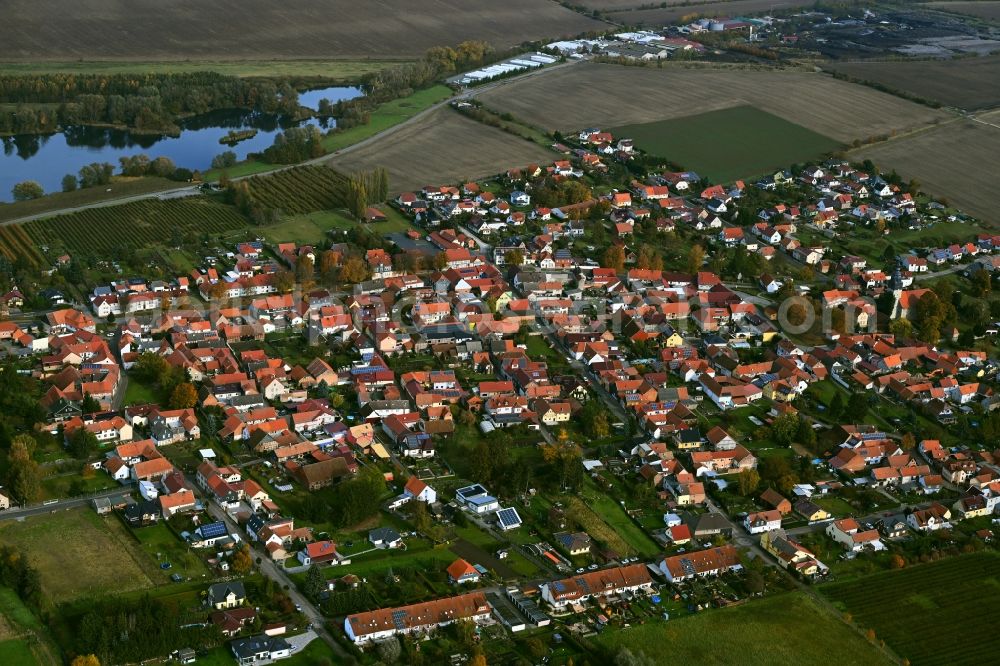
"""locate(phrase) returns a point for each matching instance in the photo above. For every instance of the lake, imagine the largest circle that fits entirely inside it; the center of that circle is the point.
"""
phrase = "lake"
(47, 158)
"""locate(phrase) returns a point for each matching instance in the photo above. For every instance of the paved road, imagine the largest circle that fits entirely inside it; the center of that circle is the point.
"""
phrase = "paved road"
(61, 505)
(118, 401)
(188, 190)
(276, 573)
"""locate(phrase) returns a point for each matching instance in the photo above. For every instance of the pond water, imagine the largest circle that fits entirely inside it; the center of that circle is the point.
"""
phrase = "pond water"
(47, 158)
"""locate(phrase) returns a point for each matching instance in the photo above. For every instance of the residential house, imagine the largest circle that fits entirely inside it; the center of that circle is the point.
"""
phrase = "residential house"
(596, 584)
(421, 618)
(461, 572)
(226, 595)
(701, 563)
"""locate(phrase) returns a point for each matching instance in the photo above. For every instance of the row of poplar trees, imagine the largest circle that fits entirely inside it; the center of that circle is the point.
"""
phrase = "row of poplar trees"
(365, 188)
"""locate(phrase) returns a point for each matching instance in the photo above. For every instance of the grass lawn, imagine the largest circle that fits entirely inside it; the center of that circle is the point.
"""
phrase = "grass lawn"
(379, 561)
(605, 520)
(901, 605)
(314, 227)
(79, 553)
(313, 653)
(140, 393)
(55, 487)
(23, 638)
(787, 629)
(160, 543)
(739, 142)
(17, 652)
(836, 506)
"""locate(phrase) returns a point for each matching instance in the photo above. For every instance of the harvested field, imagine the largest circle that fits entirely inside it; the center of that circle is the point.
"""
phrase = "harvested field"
(957, 161)
(672, 14)
(989, 10)
(937, 594)
(739, 142)
(259, 29)
(78, 553)
(967, 83)
(602, 95)
(442, 147)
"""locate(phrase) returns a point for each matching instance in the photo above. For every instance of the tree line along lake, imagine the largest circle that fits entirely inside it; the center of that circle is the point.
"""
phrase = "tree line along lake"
(46, 158)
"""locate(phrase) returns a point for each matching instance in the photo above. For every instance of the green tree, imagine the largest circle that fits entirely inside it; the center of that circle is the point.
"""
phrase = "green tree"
(857, 406)
(243, 560)
(614, 258)
(901, 328)
(695, 258)
(24, 475)
(514, 257)
(89, 404)
(981, 283)
(749, 479)
(315, 583)
(83, 443)
(784, 429)
(184, 396)
(224, 160)
(68, 183)
(26, 190)
(150, 367)
(837, 406)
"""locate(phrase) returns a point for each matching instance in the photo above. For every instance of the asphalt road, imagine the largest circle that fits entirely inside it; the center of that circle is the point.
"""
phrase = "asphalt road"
(276, 573)
(60, 505)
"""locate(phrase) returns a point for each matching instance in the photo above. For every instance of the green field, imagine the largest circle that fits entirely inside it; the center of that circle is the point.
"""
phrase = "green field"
(313, 227)
(739, 142)
(788, 629)
(927, 613)
(387, 115)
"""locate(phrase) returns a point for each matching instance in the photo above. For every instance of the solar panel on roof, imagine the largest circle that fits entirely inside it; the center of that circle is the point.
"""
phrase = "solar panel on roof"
(213, 530)
(398, 619)
(508, 517)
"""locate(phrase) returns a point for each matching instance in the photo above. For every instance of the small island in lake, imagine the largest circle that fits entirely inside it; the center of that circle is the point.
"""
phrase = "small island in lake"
(235, 136)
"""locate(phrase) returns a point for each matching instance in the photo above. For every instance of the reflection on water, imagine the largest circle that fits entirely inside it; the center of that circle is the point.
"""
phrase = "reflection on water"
(47, 158)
